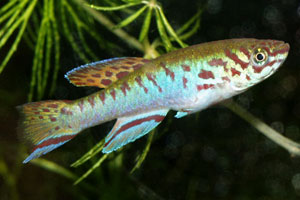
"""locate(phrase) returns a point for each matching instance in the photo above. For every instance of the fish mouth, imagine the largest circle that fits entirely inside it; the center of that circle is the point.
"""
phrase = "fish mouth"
(281, 48)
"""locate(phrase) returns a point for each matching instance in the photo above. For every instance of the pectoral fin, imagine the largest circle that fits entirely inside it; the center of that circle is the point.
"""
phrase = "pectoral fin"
(184, 112)
(128, 129)
(181, 114)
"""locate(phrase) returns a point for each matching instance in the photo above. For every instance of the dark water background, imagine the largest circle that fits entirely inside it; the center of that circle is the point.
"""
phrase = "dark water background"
(210, 155)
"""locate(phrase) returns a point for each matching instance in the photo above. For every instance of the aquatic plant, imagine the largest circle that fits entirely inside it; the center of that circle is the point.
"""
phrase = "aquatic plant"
(37, 24)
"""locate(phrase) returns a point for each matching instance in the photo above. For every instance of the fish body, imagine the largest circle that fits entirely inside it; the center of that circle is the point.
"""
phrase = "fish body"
(139, 92)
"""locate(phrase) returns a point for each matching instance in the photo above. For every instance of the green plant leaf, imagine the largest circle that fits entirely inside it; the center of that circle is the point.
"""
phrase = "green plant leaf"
(131, 18)
(189, 22)
(67, 32)
(8, 14)
(162, 32)
(169, 28)
(145, 152)
(91, 153)
(146, 25)
(24, 18)
(112, 8)
(96, 165)
(56, 38)
(132, 1)
(8, 6)
(191, 32)
(53, 167)
(14, 20)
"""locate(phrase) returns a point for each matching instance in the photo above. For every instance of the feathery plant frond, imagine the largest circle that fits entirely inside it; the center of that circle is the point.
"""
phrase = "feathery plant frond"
(15, 15)
(42, 28)
(95, 166)
(163, 24)
(43, 24)
(142, 156)
(91, 153)
(163, 27)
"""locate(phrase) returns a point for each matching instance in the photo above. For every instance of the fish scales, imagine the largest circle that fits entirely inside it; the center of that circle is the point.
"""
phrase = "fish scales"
(139, 92)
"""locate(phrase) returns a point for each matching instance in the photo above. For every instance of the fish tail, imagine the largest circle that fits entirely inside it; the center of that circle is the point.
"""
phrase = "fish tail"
(47, 125)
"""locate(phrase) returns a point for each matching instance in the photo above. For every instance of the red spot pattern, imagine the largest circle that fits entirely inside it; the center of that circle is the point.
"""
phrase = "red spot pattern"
(102, 96)
(236, 59)
(168, 71)
(218, 62)
(96, 75)
(258, 69)
(106, 82)
(139, 81)
(80, 104)
(90, 80)
(122, 74)
(125, 67)
(66, 111)
(102, 74)
(145, 61)
(184, 80)
(46, 110)
(52, 105)
(53, 119)
(79, 76)
(108, 73)
(226, 79)
(152, 79)
(204, 87)
(137, 66)
(280, 51)
(91, 100)
(245, 51)
(113, 94)
(204, 74)
(235, 72)
(80, 83)
(125, 87)
(186, 68)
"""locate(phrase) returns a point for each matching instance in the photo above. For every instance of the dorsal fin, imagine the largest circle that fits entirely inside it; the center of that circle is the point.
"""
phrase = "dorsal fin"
(103, 73)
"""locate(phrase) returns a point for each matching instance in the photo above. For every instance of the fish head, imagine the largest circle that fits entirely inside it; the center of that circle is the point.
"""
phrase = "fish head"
(252, 61)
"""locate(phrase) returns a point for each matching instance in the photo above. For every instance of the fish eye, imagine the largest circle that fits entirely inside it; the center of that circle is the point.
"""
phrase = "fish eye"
(260, 56)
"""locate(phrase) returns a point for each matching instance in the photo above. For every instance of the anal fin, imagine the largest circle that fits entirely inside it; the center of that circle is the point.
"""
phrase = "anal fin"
(128, 129)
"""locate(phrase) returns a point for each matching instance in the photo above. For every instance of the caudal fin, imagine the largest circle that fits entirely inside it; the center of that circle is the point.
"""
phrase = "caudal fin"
(47, 125)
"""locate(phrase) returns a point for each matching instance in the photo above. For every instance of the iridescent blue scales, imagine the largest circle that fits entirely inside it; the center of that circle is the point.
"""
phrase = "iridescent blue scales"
(140, 92)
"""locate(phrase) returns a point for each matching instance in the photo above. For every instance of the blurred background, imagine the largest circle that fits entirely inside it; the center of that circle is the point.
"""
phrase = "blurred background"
(210, 155)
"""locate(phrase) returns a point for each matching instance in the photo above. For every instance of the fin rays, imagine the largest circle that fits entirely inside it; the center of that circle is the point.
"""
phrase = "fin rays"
(128, 129)
(103, 73)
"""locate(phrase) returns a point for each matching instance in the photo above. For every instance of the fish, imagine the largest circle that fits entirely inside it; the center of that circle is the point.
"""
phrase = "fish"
(139, 92)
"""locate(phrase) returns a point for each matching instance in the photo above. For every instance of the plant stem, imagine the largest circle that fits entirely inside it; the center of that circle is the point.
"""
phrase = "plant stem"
(289, 145)
(110, 26)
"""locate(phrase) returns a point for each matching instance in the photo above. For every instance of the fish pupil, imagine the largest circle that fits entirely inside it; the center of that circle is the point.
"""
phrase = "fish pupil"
(260, 57)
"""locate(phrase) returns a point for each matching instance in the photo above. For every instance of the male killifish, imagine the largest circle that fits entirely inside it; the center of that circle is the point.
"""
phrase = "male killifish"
(139, 92)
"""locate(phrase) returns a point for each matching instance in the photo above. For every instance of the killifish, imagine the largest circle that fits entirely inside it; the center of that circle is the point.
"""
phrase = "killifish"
(139, 92)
